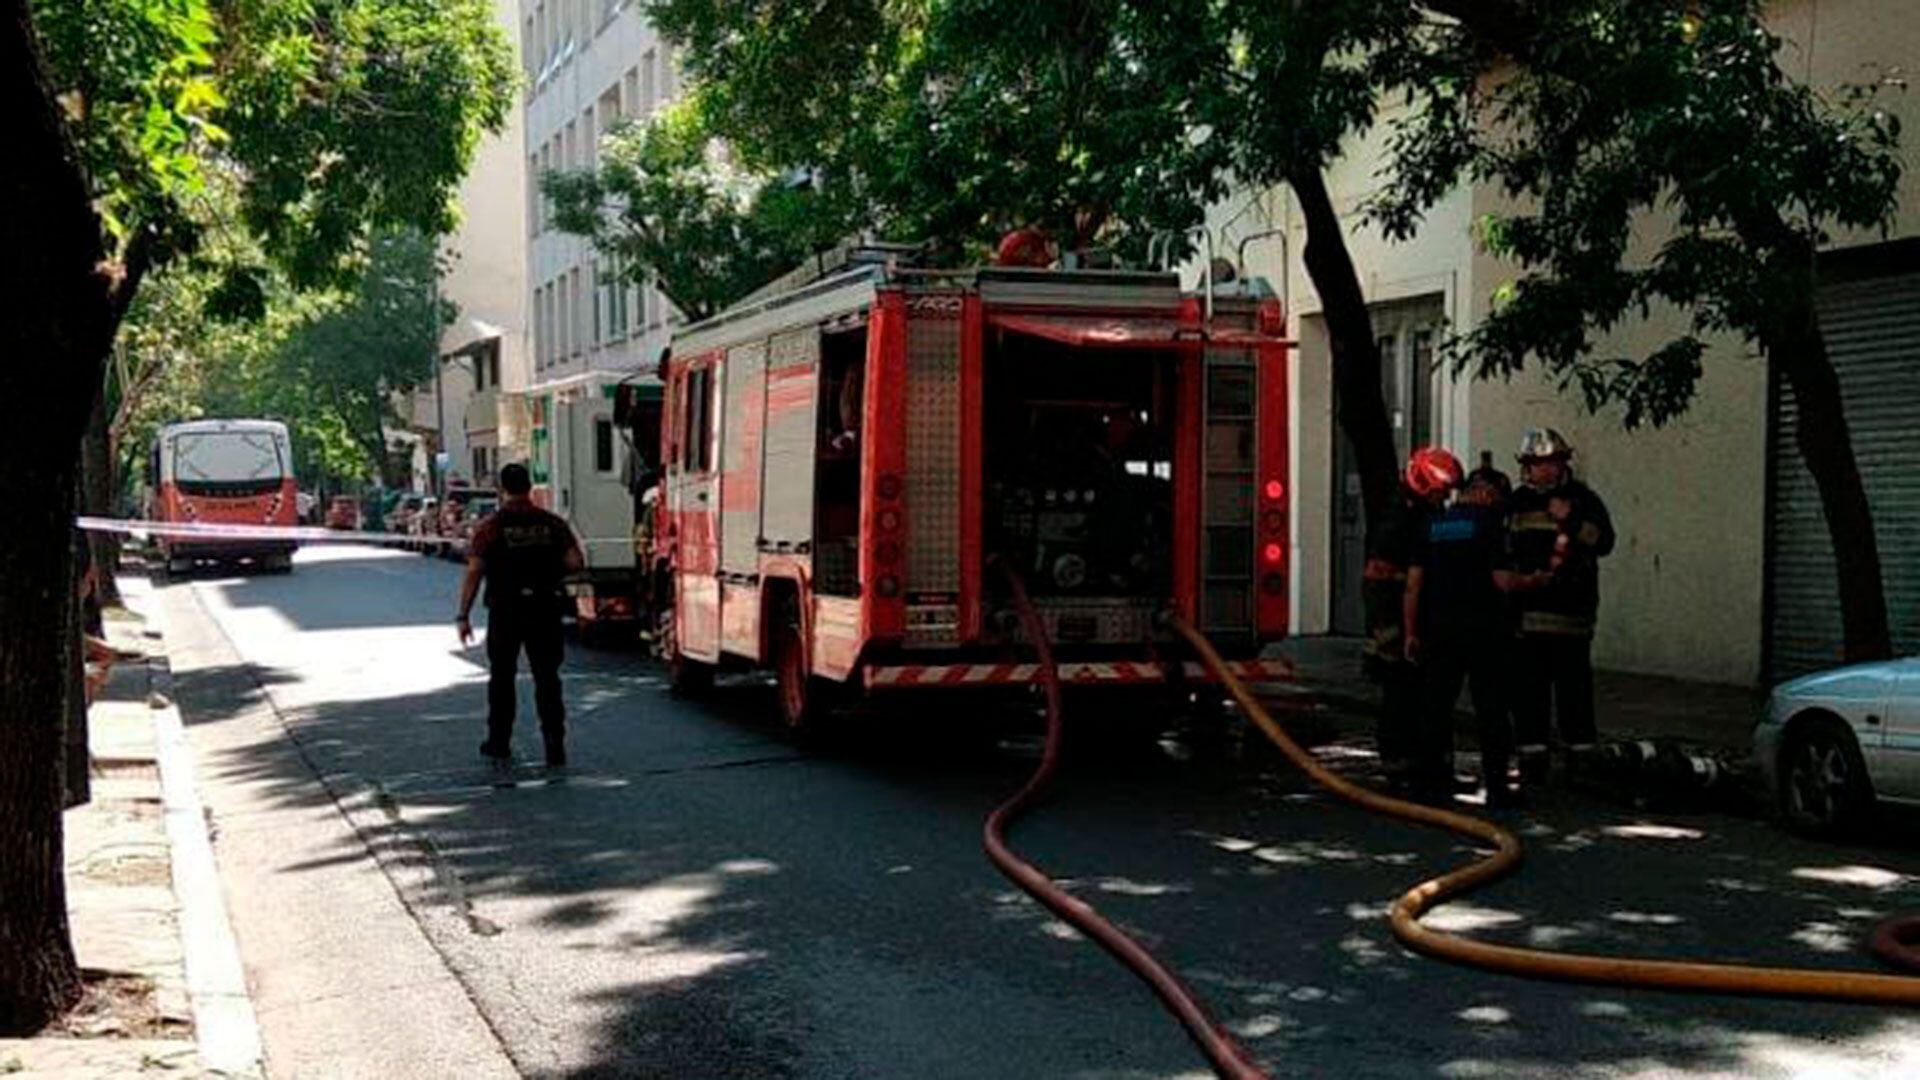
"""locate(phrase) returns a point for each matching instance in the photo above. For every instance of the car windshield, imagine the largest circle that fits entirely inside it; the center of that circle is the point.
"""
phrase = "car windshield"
(226, 456)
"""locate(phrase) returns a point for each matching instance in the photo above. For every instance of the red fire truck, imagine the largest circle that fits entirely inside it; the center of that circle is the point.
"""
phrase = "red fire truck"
(845, 454)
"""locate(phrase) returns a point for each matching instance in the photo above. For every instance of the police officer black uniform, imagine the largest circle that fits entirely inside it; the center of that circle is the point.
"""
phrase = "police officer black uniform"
(1560, 528)
(522, 552)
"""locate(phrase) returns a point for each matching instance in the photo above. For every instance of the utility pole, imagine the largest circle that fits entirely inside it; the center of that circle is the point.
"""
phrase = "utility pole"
(434, 478)
(439, 426)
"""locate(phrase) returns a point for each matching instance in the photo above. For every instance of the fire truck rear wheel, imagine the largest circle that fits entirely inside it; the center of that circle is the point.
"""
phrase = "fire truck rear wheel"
(800, 705)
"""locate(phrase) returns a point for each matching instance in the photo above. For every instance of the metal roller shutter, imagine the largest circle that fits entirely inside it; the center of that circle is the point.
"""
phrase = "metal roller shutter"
(1872, 328)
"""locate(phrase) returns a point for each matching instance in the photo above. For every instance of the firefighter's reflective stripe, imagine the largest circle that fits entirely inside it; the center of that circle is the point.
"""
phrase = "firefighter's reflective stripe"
(1118, 671)
(1554, 622)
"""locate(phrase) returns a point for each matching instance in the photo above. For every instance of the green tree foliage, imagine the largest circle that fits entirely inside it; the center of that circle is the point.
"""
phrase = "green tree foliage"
(336, 375)
(1611, 121)
(915, 121)
(328, 363)
(338, 119)
(1102, 121)
(1700, 135)
(669, 201)
(339, 115)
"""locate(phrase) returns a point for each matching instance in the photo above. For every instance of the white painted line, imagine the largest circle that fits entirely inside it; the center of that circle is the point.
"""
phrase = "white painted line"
(223, 1020)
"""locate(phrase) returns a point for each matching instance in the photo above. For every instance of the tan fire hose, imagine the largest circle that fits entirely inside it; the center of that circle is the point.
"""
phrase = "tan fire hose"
(1856, 986)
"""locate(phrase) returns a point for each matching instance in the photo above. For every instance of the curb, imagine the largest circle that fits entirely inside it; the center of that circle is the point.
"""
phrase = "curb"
(224, 1024)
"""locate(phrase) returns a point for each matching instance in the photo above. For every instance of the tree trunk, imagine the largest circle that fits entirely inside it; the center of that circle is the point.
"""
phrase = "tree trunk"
(1826, 445)
(76, 760)
(62, 315)
(98, 476)
(1356, 355)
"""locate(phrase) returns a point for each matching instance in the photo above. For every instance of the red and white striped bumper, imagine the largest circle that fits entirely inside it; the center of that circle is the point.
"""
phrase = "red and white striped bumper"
(1115, 672)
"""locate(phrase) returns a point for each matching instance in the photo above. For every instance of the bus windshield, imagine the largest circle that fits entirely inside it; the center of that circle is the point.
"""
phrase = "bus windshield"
(226, 457)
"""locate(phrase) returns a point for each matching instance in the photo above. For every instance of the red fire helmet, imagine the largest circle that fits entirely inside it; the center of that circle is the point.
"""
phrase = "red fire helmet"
(1432, 469)
(1023, 247)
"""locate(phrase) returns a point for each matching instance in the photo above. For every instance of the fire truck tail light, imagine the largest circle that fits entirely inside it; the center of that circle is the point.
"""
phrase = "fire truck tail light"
(1271, 554)
(1274, 522)
(890, 520)
(1274, 583)
(1275, 490)
(889, 486)
(1271, 318)
(887, 552)
(888, 587)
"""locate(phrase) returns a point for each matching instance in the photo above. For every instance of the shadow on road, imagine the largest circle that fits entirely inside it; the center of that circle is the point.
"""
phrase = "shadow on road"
(700, 897)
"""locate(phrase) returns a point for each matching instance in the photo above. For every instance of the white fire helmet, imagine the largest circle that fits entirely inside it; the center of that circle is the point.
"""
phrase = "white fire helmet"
(1543, 442)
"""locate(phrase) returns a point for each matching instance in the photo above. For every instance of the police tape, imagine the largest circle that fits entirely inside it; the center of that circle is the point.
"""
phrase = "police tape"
(212, 530)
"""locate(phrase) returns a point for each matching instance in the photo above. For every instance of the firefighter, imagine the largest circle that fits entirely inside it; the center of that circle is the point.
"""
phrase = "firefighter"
(1423, 491)
(1458, 628)
(522, 552)
(1560, 528)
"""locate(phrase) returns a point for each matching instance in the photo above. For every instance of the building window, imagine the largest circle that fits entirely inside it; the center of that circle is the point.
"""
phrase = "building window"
(570, 147)
(630, 97)
(600, 313)
(603, 445)
(493, 364)
(590, 140)
(648, 74)
(578, 313)
(609, 111)
(539, 327)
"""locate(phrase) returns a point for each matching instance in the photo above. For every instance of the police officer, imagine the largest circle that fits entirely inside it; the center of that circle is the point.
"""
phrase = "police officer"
(522, 552)
(1458, 628)
(1423, 491)
(1559, 528)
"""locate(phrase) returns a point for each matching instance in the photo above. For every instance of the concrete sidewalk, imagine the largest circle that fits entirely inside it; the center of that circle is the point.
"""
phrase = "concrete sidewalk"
(148, 925)
(1711, 715)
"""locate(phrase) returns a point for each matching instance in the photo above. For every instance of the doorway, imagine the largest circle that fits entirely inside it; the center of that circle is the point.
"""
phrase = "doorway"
(1408, 332)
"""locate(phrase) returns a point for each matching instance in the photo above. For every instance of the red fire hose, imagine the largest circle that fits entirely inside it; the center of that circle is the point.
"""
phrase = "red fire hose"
(1223, 1051)
(1897, 941)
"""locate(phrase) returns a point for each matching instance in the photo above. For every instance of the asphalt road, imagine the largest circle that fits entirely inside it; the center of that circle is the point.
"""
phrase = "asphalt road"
(698, 897)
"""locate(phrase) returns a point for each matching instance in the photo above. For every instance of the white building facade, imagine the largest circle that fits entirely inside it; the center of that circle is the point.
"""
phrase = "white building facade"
(589, 64)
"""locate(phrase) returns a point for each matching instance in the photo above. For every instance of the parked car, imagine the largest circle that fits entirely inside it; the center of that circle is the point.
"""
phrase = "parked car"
(457, 514)
(400, 517)
(343, 513)
(476, 512)
(423, 525)
(1833, 743)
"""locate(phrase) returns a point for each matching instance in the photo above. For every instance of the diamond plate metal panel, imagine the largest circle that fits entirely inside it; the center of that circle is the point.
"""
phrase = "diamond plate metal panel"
(794, 347)
(933, 445)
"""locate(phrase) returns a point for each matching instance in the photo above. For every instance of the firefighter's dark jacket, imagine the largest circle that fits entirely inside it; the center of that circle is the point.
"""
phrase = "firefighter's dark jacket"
(1389, 553)
(1567, 605)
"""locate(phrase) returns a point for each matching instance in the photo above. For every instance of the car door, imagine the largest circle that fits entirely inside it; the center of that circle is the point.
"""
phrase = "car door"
(1897, 773)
